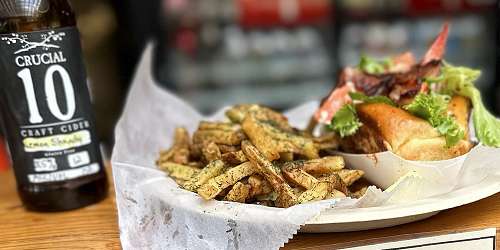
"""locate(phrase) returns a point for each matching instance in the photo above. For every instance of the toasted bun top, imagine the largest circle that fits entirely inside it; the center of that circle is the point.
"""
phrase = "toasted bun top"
(411, 137)
(395, 125)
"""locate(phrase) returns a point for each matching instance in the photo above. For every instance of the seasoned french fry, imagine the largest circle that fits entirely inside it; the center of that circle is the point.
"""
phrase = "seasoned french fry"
(165, 155)
(225, 140)
(179, 152)
(223, 193)
(181, 156)
(179, 171)
(240, 157)
(211, 151)
(214, 186)
(219, 137)
(272, 196)
(298, 177)
(286, 197)
(196, 164)
(180, 182)
(335, 194)
(325, 165)
(181, 146)
(223, 126)
(349, 176)
(239, 193)
(327, 141)
(318, 192)
(336, 181)
(326, 145)
(234, 158)
(213, 169)
(325, 137)
(298, 191)
(195, 150)
(239, 112)
(286, 156)
(258, 185)
(181, 137)
(272, 141)
(228, 148)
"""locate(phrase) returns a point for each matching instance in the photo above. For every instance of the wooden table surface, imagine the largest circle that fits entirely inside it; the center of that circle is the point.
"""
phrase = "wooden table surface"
(95, 227)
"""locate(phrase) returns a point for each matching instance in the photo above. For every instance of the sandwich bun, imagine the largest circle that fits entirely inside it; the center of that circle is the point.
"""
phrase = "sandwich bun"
(386, 127)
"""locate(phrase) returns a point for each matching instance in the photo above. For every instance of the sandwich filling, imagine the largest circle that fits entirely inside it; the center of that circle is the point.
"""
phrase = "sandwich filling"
(420, 110)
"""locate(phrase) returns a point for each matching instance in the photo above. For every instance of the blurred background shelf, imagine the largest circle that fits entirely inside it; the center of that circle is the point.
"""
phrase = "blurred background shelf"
(252, 51)
(217, 52)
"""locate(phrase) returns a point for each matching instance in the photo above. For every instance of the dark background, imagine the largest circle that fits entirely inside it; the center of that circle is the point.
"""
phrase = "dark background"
(276, 52)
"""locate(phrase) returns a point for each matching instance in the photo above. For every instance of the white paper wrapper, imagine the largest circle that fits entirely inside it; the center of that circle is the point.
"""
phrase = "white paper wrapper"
(155, 214)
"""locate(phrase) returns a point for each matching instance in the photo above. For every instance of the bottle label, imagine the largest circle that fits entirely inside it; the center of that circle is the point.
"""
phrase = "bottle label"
(46, 106)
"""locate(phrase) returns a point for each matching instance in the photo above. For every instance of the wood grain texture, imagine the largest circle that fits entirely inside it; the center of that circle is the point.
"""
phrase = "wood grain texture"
(95, 227)
(92, 227)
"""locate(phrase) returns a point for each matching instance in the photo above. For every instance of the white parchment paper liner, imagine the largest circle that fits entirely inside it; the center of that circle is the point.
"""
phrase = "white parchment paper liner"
(155, 214)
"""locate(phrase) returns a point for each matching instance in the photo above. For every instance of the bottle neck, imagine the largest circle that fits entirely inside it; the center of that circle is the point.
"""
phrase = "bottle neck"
(34, 15)
(23, 8)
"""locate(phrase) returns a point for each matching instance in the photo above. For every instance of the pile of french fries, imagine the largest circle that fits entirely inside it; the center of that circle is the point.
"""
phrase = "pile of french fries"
(257, 157)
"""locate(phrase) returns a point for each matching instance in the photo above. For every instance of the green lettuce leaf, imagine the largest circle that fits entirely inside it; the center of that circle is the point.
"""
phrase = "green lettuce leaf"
(346, 121)
(430, 107)
(433, 108)
(372, 66)
(460, 81)
(371, 99)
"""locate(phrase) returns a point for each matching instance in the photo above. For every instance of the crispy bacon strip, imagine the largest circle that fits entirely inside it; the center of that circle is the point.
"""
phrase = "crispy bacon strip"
(403, 81)
(403, 62)
(333, 103)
